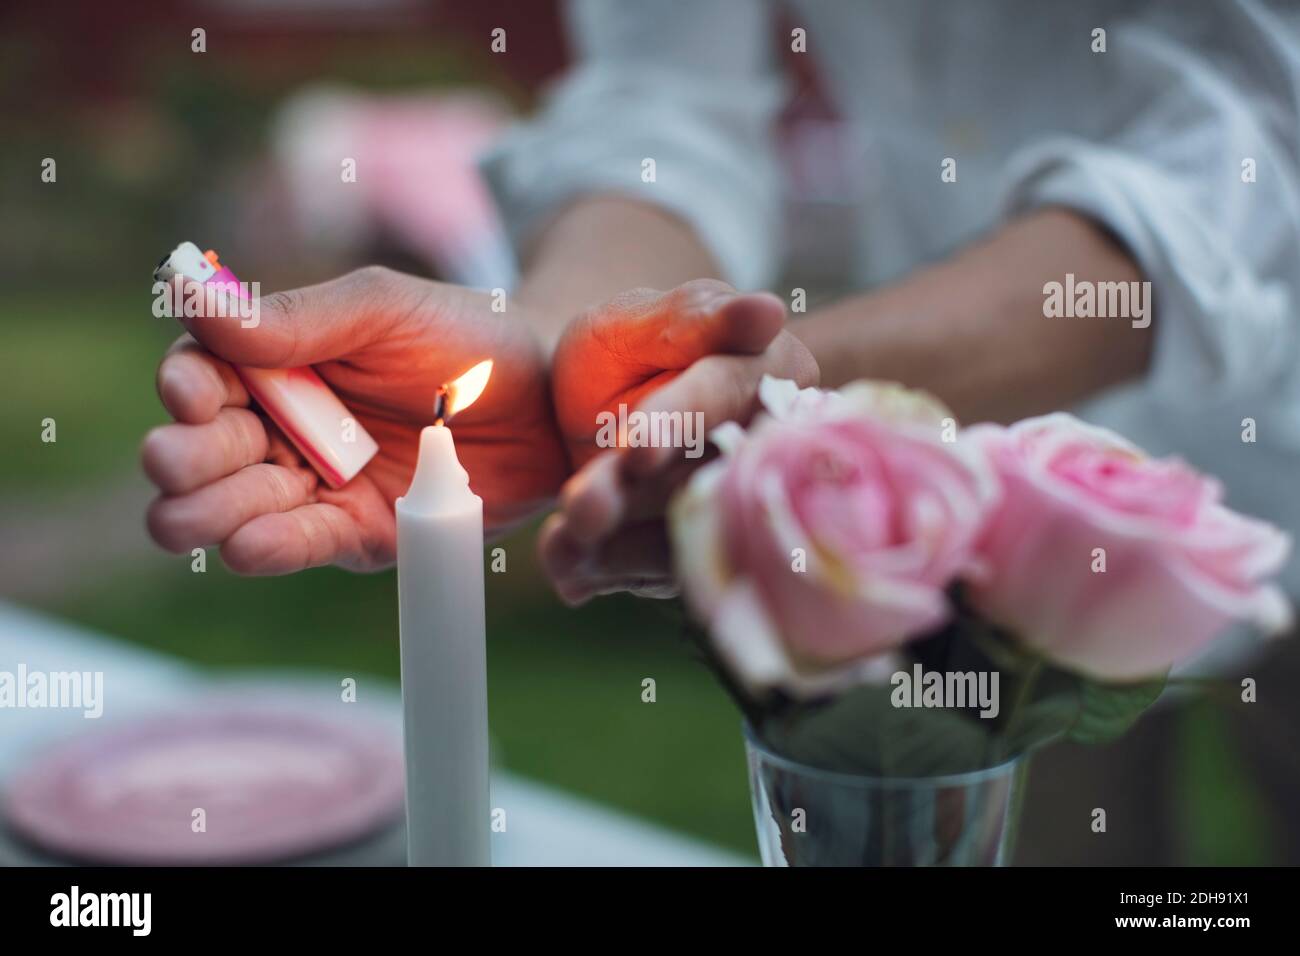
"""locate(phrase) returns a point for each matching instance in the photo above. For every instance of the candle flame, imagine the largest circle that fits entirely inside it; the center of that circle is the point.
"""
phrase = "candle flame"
(464, 391)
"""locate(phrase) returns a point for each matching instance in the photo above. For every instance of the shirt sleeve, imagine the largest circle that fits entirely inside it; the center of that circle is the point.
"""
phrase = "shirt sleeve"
(689, 84)
(1201, 181)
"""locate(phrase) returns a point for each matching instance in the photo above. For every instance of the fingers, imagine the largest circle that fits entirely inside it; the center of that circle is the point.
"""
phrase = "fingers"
(194, 385)
(181, 458)
(609, 534)
(593, 500)
(619, 352)
(308, 537)
(213, 512)
(636, 559)
(670, 330)
(705, 320)
(615, 503)
(603, 495)
(725, 387)
(361, 536)
(720, 388)
(301, 326)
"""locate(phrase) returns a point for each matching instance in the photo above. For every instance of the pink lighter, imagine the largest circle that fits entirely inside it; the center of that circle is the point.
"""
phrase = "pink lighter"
(296, 399)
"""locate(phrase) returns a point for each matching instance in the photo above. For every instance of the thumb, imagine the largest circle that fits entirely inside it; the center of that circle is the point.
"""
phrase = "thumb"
(294, 327)
(671, 330)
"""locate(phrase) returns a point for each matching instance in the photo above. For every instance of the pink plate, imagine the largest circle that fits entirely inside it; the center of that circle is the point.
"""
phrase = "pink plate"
(272, 784)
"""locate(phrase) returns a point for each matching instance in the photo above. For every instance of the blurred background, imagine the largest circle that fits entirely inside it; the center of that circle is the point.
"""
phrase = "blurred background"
(155, 143)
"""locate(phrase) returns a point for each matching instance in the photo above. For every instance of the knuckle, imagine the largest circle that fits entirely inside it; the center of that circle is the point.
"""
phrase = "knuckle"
(229, 441)
(372, 275)
(386, 297)
(369, 282)
(701, 288)
(323, 539)
(628, 302)
(279, 483)
(636, 294)
(287, 308)
(238, 442)
(287, 303)
(700, 295)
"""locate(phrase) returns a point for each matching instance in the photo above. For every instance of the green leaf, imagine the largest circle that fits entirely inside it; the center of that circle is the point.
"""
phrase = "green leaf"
(1107, 710)
(1043, 721)
(862, 732)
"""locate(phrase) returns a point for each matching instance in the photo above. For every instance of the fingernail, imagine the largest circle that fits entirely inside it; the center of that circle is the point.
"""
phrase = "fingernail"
(575, 593)
(712, 301)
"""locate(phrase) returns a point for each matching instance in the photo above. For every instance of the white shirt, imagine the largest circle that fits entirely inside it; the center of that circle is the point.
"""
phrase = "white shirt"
(1148, 137)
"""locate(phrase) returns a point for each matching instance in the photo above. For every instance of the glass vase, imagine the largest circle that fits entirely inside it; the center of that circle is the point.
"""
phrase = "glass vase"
(811, 817)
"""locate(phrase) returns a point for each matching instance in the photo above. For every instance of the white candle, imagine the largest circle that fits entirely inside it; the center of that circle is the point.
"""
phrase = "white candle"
(443, 657)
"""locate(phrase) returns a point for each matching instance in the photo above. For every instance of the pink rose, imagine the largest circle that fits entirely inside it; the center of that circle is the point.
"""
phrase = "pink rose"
(827, 534)
(1179, 566)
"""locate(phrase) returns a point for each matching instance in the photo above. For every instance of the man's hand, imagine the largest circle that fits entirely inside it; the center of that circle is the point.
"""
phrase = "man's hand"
(384, 342)
(701, 347)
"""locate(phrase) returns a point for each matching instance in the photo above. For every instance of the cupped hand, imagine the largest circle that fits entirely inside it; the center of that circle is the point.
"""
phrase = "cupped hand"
(699, 348)
(384, 342)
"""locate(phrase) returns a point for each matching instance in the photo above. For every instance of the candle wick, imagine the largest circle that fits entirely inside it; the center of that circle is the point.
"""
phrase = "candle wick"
(440, 403)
